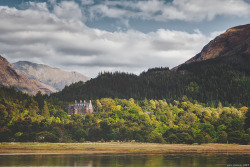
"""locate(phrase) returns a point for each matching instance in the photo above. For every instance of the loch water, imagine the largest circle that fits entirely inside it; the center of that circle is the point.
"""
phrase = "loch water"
(126, 160)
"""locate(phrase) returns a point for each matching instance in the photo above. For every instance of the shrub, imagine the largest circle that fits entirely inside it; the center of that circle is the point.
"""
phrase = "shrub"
(199, 139)
(46, 136)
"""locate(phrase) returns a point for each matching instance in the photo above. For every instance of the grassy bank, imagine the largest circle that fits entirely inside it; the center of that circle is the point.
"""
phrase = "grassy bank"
(113, 147)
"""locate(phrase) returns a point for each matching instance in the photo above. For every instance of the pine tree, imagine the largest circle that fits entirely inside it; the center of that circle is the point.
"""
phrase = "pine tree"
(45, 111)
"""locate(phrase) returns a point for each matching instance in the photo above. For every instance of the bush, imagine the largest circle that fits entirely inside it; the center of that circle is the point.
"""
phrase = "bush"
(185, 138)
(245, 139)
(46, 137)
(199, 139)
(79, 134)
(5, 134)
(235, 136)
(156, 137)
(172, 139)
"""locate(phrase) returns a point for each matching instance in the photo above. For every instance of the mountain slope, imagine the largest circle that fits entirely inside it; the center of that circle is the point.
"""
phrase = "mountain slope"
(53, 77)
(234, 41)
(9, 77)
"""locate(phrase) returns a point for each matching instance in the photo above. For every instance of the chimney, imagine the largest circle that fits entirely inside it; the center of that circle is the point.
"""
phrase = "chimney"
(80, 101)
(75, 101)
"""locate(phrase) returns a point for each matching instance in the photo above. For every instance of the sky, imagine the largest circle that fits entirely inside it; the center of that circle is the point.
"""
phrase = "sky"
(92, 36)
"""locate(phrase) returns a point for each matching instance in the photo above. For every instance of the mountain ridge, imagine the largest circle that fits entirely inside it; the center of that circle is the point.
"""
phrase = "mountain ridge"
(233, 41)
(54, 77)
(9, 77)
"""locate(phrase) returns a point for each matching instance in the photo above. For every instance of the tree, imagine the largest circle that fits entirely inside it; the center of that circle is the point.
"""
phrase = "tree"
(108, 104)
(185, 138)
(5, 134)
(79, 134)
(33, 108)
(222, 137)
(245, 139)
(45, 111)
(98, 105)
(247, 120)
(172, 139)
(39, 99)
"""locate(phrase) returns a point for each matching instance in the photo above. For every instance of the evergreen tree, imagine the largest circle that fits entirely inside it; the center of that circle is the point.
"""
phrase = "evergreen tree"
(45, 111)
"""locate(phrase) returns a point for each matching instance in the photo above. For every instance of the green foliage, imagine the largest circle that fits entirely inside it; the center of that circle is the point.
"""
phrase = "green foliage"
(45, 136)
(245, 139)
(146, 120)
(235, 136)
(45, 111)
(222, 137)
(247, 120)
(79, 134)
(200, 138)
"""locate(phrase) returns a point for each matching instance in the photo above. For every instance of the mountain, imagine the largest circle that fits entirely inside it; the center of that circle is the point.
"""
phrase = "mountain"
(53, 77)
(9, 77)
(234, 41)
(220, 73)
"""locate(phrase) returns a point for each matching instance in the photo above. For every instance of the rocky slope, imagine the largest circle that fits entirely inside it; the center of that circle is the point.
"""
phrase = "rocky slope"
(9, 77)
(53, 77)
(235, 41)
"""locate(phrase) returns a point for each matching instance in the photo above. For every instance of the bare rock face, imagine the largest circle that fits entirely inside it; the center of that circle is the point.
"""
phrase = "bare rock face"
(53, 77)
(234, 41)
(9, 77)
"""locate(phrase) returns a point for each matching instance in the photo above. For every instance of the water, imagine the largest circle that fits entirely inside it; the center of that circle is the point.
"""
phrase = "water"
(126, 160)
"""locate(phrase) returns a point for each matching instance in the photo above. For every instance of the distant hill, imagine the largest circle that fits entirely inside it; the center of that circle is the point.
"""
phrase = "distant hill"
(9, 77)
(53, 77)
(221, 72)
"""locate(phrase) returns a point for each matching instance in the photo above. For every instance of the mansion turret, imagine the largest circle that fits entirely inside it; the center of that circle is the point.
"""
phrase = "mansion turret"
(81, 108)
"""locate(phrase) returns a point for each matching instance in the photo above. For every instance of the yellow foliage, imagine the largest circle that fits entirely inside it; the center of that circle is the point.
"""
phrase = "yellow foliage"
(244, 109)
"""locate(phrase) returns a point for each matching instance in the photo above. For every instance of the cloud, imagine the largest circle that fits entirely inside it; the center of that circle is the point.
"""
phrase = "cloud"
(68, 10)
(51, 37)
(159, 10)
(87, 2)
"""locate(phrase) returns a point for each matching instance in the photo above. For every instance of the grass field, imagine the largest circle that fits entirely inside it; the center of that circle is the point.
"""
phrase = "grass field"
(120, 147)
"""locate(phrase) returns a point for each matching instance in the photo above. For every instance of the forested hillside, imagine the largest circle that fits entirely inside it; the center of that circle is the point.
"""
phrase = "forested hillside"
(37, 118)
(223, 79)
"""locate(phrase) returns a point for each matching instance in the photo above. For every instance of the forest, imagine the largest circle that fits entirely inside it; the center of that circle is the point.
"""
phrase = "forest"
(222, 79)
(41, 118)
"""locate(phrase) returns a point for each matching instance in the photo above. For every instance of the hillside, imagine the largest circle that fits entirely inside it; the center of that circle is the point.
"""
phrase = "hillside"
(53, 77)
(9, 77)
(235, 41)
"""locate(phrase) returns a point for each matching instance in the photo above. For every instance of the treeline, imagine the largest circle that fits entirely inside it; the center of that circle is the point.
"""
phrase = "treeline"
(26, 118)
(224, 79)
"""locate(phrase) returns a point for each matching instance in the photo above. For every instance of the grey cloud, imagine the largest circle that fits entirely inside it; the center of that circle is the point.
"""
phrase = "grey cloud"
(79, 51)
(45, 36)
(101, 64)
(185, 10)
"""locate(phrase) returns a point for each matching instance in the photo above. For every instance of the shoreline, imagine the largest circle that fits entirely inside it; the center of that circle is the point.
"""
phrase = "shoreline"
(121, 147)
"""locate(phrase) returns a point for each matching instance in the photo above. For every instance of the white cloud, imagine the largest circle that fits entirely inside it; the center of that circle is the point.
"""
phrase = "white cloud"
(68, 10)
(56, 39)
